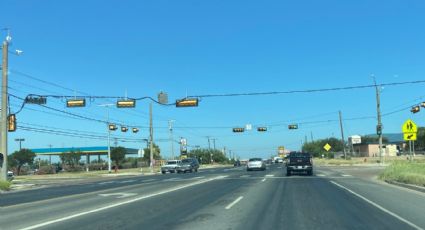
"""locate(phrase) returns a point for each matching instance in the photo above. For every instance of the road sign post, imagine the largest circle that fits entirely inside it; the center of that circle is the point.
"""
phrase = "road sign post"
(410, 130)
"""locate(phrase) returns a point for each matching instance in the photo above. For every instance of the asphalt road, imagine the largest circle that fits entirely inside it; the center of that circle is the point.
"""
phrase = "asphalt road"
(219, 199)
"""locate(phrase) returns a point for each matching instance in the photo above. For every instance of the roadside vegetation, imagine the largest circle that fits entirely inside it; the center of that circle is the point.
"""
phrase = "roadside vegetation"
(5, 185)
(405, 172)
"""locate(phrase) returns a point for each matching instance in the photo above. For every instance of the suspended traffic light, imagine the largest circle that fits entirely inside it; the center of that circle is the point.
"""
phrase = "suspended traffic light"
(415, 109)
(238, 130)
(112, 127)
(76, 102)
(292, 126)
(124, 129)
(11, 124)
(187, 102)
(423, 104)
(127, 103)
(135, 130)
(262, 129)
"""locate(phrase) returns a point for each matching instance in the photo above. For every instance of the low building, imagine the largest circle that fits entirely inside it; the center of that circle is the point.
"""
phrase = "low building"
(372, 150)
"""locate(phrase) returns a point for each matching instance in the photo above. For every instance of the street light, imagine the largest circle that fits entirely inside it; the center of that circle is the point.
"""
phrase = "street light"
(20, 142)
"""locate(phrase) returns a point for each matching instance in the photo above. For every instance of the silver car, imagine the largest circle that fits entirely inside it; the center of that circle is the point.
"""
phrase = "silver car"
(170, 166)
(256, 164)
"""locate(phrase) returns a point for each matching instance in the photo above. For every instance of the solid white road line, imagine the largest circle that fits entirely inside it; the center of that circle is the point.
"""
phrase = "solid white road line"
(321, 175)
(126, 181)
(269, 175)
(263, 180)
(345, 175)
(106, 182)
(244, 176)
(379, 207)
(234, 202)
(120, 203)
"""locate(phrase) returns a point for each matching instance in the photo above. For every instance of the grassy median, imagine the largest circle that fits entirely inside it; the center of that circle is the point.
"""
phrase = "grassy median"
(405, 172)
(5, 185)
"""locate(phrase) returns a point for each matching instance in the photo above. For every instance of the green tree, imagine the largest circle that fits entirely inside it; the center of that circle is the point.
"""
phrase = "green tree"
(316, 147)
(118, 155)
(156, 153)
(20, 158)
(204, 156)
(71, 158)
(420, 142)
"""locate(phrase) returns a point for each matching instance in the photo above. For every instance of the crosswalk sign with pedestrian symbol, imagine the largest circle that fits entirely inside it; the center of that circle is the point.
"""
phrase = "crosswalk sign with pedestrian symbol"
(410, 130)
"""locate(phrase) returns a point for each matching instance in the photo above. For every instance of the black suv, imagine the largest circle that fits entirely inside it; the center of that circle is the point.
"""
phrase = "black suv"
(188, 165)
(299, 162)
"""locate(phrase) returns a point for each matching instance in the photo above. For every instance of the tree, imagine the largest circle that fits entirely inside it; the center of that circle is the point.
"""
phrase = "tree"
(118, 155)
(420, 142)
(205, 155)
(316, 147)
(156, 153)
(22, 157)
(71, 158)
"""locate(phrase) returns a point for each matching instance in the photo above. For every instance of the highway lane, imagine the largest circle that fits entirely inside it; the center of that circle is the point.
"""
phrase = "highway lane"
(231, 199)
(56, 191)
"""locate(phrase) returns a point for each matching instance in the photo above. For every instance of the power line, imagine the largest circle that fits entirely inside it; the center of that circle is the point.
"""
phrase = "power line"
(307, 90)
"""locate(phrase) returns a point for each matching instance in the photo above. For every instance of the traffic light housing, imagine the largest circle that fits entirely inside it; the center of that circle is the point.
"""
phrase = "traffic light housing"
(128, 103)
(292, 126)
(124, 129)
(238, 130)
(262, 129)
(11, 123)
(415, 109)
(76, 103)
(379, 129)
(135, 130)
(187, 102)
(423, 104)
(112, 127)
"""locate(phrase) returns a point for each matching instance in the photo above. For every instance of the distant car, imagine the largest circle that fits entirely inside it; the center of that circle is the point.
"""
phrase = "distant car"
(170, 166)
(10, 175)
(299, 162)
(237, 163)
(255, 164)
(188, 165)
(278, 160)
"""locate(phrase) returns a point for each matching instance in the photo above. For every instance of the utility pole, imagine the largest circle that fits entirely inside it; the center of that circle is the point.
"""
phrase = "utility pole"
(109, 135)
(311, 134)
(209, 143)
(213, 139)
(4, 106)
(170, 126)
(379, 126)
(151, 137)
(50, 156)
(342, 135)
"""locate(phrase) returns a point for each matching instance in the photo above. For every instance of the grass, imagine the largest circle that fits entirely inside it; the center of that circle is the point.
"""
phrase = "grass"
(362, 161)
(5, 185)
(405, 172)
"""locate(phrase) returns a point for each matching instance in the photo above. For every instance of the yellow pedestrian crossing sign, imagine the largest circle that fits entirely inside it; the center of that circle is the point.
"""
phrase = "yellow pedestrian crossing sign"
(327, 147)
(409, 127)
(410, 136)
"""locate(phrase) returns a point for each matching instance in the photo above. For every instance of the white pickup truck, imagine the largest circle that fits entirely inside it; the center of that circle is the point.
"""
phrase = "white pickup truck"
(170, 166)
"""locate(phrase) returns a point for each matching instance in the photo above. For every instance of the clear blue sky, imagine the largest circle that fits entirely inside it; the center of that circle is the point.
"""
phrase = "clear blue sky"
(108, 48)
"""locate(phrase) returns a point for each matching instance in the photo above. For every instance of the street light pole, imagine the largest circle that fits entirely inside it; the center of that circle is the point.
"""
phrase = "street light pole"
(170, 124)
(20, 142)
(3, 132)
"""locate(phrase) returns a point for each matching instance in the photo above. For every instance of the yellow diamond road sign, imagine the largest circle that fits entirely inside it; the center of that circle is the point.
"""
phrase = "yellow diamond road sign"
(327, 147)
(409, 127)
(410, 136)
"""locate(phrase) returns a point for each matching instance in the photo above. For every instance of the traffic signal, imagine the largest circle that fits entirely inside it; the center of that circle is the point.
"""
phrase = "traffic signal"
(187, 102)
(292, 126)
(135, 130)
(262, 129)
(423, 104)
(238, 130)
(76, 102)
(112, 127)
(379, 129)
(124, 129)
(1, 159)
(415, 109)
(128, 103)
(11, 124)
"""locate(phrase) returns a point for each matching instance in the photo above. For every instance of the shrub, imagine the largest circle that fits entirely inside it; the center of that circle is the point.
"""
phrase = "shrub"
(5, 185)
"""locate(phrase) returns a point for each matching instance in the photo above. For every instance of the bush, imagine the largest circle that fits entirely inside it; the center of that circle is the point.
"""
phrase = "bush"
(47, 169)
(76, 168)
(5, 185)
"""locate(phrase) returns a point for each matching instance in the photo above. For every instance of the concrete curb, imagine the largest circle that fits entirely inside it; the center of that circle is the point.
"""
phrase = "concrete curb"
(409, 186)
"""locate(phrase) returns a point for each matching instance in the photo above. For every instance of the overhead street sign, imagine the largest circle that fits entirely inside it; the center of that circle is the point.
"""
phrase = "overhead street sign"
(409, 127)
(327, 147)
(410, 136)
